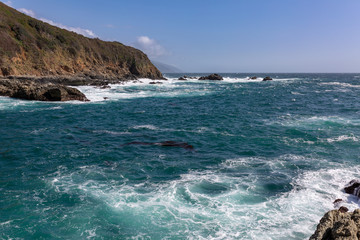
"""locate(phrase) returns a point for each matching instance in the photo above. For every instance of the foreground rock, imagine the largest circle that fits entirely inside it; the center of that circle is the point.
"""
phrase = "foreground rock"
(31, 90)
(337, 224)
(212, 77)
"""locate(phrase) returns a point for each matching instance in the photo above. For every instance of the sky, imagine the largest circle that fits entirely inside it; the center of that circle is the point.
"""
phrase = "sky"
(219, 35)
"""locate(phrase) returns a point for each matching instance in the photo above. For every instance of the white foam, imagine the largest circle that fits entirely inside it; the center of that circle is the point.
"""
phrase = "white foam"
(150, 127)
(340, 84)
(343, 138)
(186, 205)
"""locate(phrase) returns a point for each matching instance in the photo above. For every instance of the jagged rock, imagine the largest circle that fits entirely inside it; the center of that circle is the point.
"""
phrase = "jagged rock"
(353, 187)
(212, 77)
(267, 79)
(182, 78)
(253, 78)
(338, 225)
(31, 90)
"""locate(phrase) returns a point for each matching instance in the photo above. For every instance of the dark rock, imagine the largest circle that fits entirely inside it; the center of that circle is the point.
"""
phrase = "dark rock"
(353, 187)
(253, 78)
(337, 200)
(343, 209)
(105, 98)
(212, 77)
(155, 82)
(267, 79)
(105, 87)
(164, 144)
(182, 78)
(31, 90)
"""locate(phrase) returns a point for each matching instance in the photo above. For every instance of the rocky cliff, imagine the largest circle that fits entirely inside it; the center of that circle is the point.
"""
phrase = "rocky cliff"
(29, 47)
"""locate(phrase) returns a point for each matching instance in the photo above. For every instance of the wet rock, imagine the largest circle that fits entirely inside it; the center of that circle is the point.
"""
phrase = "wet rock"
(337, 200)
(32, 90)
(155, 82)
(353, 187)
(267, 78)
(164, 144)
(212, 77)
(182, 78)
(253, 78)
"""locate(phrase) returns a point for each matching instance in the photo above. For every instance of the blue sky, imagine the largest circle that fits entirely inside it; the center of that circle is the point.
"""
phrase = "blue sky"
(222, 35)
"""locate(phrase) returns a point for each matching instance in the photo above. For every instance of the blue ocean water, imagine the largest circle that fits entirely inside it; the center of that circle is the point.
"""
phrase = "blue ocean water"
(269, 159)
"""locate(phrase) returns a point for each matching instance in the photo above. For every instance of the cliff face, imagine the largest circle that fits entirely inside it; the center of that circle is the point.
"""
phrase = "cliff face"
(29, 47)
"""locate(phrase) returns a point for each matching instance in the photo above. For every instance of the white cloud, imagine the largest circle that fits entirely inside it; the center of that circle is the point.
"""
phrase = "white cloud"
(27, 12)
(150, 47)
(9, 3)
(82, 31)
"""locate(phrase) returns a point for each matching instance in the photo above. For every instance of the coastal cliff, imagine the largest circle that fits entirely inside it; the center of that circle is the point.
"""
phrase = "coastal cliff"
(35, 49)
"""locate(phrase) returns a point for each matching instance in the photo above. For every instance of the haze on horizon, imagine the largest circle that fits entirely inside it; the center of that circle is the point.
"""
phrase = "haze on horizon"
(219, 36)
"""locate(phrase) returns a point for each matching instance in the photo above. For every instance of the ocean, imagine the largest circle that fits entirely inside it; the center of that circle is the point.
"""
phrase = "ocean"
(266, 161)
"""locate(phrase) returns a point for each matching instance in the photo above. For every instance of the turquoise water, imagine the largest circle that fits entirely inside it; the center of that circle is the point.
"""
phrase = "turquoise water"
(269, 158)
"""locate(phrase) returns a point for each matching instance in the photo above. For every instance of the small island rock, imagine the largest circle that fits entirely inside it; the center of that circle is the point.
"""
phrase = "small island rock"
(267, 78)
(212, 77)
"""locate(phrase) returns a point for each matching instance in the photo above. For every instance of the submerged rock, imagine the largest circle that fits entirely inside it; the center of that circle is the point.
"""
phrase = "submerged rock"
(267, 78)
(182, 78)
(253, 78)
(212, 77)
(338, 224)
(31, 90)
(164, 144)
(155, 82)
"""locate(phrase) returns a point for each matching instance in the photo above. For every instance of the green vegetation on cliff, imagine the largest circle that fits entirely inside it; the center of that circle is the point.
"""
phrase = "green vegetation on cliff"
(29, 47)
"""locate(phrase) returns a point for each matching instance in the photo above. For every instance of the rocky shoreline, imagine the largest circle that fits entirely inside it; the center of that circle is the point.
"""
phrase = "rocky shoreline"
(36, 90)
(340, 224)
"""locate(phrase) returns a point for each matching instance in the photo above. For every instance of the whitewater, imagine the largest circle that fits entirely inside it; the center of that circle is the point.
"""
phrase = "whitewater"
(268, 159)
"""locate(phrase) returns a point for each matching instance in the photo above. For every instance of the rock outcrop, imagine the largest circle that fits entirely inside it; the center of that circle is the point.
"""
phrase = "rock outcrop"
(32, 90)
(337, 224)
(353, 187)
(29, 47)
(267, 78)
(212, 77)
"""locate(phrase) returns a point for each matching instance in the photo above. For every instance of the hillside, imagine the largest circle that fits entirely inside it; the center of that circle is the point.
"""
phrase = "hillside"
(29, 47)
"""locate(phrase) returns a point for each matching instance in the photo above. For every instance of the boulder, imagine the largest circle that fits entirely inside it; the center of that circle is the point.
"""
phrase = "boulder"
(337, 224)
(182, 78)
(32, 90)
(267, 78)
(353, 187)
(253, 78)
(155, 82)
(212, 77)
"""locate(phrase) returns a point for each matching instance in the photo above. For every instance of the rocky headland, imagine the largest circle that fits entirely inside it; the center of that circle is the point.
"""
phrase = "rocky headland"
(36, 51)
